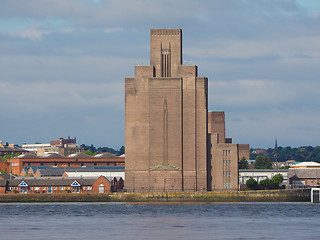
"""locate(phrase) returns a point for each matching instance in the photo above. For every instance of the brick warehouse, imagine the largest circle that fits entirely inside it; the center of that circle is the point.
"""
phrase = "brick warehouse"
(168, 145)
(56, 160)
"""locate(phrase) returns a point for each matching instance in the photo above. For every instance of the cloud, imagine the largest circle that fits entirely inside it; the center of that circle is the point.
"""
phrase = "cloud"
(63, 63)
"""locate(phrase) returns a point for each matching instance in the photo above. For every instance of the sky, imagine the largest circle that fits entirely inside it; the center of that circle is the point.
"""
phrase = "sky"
(63, 64)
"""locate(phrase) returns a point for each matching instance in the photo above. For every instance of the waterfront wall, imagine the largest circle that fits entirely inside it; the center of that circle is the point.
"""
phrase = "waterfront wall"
(290, 195)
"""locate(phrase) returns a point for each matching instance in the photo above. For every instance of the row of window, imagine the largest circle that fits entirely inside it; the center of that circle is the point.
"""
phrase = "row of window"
(226, 174)
(226, 152)
(227, 185)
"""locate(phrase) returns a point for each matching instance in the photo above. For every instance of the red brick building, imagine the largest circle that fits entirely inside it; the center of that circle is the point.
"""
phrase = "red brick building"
(56, 160)
(56, 185)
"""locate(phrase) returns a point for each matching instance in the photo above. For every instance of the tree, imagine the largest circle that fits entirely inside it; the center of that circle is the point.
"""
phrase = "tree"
(276, 180)
(252, 184)
(121, 150)
(243, 163)
(265, 183)
(12, 155)
(88, 152)
(262, 162)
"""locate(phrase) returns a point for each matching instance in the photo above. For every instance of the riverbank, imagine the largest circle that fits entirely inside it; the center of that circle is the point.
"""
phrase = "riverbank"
(293, 195)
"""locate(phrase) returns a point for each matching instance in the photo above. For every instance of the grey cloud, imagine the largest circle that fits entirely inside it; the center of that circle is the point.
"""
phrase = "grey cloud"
(66, 69)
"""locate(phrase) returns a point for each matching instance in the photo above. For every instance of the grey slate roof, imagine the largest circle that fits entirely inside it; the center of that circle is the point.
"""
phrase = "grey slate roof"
(51, 172)
(7, 176)
(57, 181)
(3, 183)
(304, 173)
(27, 155)
(95, 170)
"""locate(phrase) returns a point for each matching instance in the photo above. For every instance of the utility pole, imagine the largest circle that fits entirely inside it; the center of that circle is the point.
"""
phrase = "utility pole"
(276, 155)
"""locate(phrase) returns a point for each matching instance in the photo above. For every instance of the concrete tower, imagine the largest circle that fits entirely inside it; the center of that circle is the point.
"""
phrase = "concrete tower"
(166, 121)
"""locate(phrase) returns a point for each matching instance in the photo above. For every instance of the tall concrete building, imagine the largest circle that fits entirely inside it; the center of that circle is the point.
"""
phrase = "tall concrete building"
(166, 122)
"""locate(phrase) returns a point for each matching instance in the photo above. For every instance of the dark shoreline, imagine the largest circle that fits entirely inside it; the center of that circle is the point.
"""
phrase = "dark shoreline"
(294, 195)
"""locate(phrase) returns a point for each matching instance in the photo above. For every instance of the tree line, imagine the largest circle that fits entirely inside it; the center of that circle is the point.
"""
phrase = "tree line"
(92, 150)
(299, 154)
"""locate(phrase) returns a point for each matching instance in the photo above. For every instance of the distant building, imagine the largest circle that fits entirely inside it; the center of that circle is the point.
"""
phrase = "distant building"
(261, 174)
(55, 160)
(60, 146)
(306, 165)
(224, 154)
(303, 177)
(56, 185)
(10, 149)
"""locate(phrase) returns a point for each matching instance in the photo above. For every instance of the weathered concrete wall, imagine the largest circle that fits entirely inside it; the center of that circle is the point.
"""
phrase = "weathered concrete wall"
(294, 195)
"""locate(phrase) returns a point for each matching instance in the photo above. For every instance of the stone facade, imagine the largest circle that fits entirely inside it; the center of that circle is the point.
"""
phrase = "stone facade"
(224, 154)
(166, 120)
(166, 123)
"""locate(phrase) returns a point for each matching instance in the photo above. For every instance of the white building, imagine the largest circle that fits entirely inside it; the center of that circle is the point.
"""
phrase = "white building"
(261, 174)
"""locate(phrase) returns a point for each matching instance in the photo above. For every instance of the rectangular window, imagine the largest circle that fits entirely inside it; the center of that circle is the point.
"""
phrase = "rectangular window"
(83, 188)
(61, 188)
(36, 188)
(89, 188)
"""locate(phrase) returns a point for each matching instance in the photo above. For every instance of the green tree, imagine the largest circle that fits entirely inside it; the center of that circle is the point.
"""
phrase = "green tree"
(252, 184)
(8, 156)
(121, 150)
(243, 163)
(265, 183)
(276, 180)
(263, 162)
(88, 152)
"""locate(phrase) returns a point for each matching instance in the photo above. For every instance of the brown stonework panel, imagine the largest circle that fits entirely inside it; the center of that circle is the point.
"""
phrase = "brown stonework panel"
(163, 39)
(165, 122)
(244, 151)
(141, 120)
(189, 181)
(216, 124)
(130, 129)
(201, 122)
(189, 123)
(165, 180)
(224, 165)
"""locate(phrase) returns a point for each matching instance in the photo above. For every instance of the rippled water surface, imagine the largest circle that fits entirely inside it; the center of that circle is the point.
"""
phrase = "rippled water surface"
(160, 221)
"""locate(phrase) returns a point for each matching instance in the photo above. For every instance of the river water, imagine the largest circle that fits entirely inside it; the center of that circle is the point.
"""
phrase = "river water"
(159, 221)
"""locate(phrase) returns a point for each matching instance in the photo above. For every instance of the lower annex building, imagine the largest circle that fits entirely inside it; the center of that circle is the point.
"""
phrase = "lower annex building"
(172, 142)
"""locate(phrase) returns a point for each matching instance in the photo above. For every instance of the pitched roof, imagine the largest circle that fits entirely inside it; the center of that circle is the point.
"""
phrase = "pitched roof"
(110, 169)
(52, 155)
(307, 164)
(27, 155)
(304, 173)
(51, 172)
(79, 155)
(105, 155)
(6, 176)
(3, 182)
(56, 181)
(35, 168)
